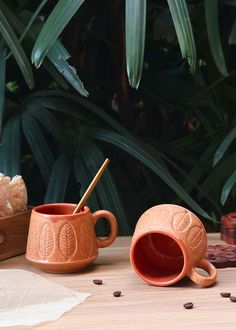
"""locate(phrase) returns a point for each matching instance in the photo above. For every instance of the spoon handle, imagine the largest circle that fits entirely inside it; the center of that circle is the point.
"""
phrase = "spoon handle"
(91, 186)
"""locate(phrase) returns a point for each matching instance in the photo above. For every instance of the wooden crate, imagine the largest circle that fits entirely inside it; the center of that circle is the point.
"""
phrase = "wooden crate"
(13, 234)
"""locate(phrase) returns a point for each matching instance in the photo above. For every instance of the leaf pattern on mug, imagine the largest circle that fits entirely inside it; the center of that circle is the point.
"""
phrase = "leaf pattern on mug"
(67, 241)
(32, 239)
(46, 241)
(85, 241)
(181, 221)
(195, 236)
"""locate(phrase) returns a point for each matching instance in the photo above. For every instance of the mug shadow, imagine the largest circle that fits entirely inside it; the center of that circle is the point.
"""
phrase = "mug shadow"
(187, 283)
(88, 269)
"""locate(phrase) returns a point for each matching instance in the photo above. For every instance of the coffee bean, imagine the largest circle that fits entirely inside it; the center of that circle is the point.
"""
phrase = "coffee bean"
(188, 305)
(232, 298)
(98, 282)
(225, 294)
(117, 293)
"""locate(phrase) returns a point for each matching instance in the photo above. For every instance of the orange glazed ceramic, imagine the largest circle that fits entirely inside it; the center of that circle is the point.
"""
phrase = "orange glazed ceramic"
(169, 242)
(62, 242)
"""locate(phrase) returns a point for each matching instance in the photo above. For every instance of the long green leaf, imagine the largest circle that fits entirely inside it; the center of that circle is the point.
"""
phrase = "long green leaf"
(84, 103)
(229, 2)
(229, 184)
(58, 56)
(62, 105)
(106, 189)
(84, 178)
(50, 122)
(10, 149)
(184, 32)
(58, 180)
(18, 52)
(2, 82)
(20, 29)
(38, 145)
(147, 159)
(56, 22)
(218, 174)
(232, 36)
(67, 71)
(33, 18)
(77, 107)
(135, 26)
(230, 137)
(212, 22)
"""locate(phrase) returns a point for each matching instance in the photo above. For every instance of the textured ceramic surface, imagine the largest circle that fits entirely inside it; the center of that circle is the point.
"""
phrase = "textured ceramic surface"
(169, 242)
(62, 242)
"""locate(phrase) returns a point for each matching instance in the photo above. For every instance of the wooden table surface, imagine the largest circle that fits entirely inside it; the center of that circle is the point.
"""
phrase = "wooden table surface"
(141, 306)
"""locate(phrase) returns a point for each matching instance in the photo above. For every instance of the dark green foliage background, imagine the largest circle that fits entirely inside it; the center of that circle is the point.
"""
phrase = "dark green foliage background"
(170, 141)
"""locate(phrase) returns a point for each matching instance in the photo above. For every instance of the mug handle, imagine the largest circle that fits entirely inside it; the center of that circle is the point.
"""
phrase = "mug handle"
(202, 280)
(113, 223)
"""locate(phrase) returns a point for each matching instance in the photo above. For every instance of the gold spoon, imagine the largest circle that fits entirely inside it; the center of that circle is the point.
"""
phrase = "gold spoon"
(91, 186)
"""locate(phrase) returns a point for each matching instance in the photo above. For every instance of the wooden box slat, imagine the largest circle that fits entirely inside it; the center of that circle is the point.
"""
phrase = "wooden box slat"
(13, 234)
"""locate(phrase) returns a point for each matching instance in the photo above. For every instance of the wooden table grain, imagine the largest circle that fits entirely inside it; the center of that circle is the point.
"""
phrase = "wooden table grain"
(141, 306)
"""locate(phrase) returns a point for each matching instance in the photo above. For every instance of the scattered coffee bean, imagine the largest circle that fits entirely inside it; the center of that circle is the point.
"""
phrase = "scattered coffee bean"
(232, 298)
(225, 294)
(117, 293)
(98, 282)
(188, 305)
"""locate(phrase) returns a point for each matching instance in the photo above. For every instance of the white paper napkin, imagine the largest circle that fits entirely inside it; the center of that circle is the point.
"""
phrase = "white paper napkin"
(29, 299)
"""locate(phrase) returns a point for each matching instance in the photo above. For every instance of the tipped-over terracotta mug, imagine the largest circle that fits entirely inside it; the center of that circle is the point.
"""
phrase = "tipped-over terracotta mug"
(62, 242)
(169, 242)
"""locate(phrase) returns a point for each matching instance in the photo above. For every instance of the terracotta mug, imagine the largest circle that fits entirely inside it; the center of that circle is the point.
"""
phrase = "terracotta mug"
(169, 242)
(62, 242)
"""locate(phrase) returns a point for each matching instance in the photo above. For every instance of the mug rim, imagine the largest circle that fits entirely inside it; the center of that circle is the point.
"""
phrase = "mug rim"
(36, 209)
(183, 248)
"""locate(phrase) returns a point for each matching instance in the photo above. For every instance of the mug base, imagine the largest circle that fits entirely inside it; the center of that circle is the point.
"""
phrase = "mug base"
(61, 267)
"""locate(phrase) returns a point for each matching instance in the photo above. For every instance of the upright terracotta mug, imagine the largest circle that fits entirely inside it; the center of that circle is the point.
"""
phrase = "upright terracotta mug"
(169, 242)
(62, 242)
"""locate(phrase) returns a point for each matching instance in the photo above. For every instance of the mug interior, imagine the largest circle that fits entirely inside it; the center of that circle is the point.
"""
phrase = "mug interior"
(58, 209)
(158, 258)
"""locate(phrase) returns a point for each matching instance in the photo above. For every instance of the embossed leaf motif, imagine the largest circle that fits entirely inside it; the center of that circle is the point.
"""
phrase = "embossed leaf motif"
(181, 221)
(195, 236)
(32, 239)
(85, 242)
(67, 241)
(46, 241)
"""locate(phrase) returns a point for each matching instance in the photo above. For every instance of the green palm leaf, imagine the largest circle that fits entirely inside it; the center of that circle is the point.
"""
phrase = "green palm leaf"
(56, 22)
(18, 52)
(219, 173)
(38, 145)
(229, 184)
(135, 25)
(77, 107)
(84, 176)
(21, 30)
(50, 122)
(211, 13)
(2, 81)
(230, 137)
(10, 149)
(68, 72)
(58, 180)
(139, 153)
(106, 188)
(184, 32)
